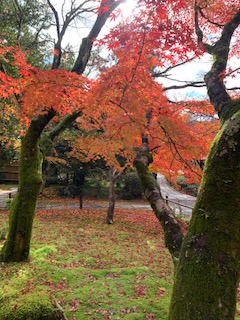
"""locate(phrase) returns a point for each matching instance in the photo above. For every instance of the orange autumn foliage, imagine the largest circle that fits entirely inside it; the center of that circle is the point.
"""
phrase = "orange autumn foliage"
(124, 107)
(125, 102)
(35, 91)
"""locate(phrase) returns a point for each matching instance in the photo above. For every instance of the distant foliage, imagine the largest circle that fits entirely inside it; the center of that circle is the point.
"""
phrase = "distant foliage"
(132, 186)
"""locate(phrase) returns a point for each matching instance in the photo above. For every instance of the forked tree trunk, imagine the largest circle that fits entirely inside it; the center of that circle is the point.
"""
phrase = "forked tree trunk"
(207, 275)
(17, 245)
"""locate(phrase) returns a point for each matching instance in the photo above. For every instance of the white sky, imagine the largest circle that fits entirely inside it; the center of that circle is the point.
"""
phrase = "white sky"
(189, 72)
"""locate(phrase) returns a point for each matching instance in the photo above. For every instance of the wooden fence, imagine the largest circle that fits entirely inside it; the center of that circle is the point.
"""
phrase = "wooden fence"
(9, 173)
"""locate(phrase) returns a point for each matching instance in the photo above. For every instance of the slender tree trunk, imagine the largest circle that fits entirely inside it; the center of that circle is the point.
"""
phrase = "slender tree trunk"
(113, 177)
(207, 275)
(111, 203)
(172, 231)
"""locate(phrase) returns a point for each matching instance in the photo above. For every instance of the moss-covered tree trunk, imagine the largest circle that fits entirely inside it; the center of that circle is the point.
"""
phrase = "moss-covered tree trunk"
(207, 275)
(172, 231)
(17, 245)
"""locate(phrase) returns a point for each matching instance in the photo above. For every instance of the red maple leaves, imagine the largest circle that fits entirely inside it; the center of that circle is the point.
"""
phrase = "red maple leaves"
(36, 91)
(125, 101)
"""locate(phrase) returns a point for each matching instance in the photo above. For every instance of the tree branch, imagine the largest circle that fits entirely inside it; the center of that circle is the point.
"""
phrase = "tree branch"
(199, 32)
(208, 20)
(197, 84)
(87, 43)
(218, 95)
(163, 73)
(62, 125)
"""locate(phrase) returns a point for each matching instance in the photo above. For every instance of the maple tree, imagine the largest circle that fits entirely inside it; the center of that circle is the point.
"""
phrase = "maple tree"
(133, 111)
(128, 104)
(67, 94)
(207, 259)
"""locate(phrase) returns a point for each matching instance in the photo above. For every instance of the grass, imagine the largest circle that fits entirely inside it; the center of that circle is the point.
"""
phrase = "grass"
(93, 270)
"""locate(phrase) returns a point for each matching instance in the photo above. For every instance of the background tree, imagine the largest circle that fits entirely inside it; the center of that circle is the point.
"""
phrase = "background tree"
(26, 23)
(96, 145)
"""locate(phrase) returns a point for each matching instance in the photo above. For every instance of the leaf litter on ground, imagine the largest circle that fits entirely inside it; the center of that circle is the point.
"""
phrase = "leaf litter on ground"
(94, 270)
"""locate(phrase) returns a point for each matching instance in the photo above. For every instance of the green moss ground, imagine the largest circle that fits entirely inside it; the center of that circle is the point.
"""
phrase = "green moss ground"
(94, 271)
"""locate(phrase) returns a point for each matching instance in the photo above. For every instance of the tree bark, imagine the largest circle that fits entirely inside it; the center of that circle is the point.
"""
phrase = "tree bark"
(207, 275)
(16, 248)
(172, 231)
(113, 177)
(87, 42)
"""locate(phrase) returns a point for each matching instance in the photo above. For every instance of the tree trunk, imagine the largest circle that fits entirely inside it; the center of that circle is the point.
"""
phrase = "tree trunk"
(172, 231)
(207, 275)
(17, 245)
(113, 176)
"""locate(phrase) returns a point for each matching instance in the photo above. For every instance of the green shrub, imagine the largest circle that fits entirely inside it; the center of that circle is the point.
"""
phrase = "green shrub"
(132, 187)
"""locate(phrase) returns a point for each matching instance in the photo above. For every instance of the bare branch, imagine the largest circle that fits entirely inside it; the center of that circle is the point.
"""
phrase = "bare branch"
(218, 95)
(198, 30)
(233, 88)
(164, 72)
(197, 84)
(57, 45)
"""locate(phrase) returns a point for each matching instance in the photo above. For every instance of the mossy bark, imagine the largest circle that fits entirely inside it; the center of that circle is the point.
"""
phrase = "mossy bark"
(17, 246)
(207, 275)
(172, 231)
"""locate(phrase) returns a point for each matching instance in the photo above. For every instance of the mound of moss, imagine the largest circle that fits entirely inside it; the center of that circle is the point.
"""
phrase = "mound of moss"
(21, 303)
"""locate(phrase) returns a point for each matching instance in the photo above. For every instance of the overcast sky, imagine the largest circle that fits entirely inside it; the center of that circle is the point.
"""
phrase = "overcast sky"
(191, 71)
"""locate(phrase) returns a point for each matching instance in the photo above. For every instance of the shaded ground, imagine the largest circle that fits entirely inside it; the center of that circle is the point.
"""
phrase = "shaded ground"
(94, 271)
